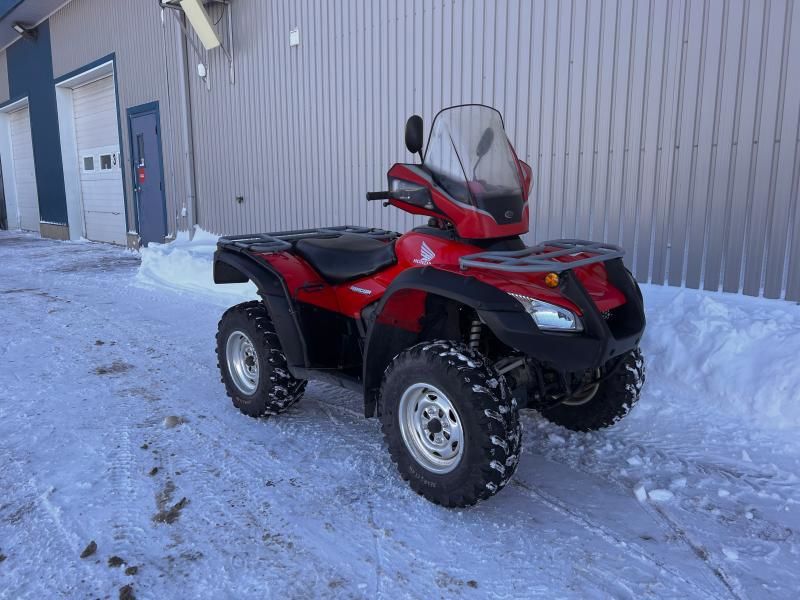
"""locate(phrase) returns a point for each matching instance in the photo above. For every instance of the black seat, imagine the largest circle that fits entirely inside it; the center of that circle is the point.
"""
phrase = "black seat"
(347, 256)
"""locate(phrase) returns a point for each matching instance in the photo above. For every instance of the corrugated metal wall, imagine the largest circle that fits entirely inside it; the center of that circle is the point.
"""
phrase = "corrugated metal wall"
(86, 30)
(671, 127)
(668, 127)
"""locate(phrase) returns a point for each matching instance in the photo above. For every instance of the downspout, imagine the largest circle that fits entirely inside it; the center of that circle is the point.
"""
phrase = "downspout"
(190, 204)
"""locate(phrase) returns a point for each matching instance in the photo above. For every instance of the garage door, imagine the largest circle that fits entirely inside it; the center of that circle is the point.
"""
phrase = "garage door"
(97, 137)
(24, 171)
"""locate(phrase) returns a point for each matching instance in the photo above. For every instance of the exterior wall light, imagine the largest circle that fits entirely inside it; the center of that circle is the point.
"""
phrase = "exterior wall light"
(29, 33)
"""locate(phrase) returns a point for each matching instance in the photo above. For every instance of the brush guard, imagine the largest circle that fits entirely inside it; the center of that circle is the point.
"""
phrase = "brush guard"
(543, 258)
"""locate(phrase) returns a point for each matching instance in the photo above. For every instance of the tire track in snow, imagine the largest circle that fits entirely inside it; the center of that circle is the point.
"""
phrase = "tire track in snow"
(242, 465)
(121, 470)
(127, 525)
(689, 465)
(379, 560)
(126, 533)
(131, 519)
(45, 527)
(634, 551)
(242, 470)
(730, 582)
(734, 473)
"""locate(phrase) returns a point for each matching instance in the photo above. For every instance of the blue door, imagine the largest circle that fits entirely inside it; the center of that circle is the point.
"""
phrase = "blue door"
(148, 173)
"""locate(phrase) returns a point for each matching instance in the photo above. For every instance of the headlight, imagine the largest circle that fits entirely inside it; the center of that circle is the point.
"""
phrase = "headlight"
(549, 316)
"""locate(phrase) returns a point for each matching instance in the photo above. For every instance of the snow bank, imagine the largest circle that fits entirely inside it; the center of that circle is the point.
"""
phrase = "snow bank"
(741, 353)
(185, 266)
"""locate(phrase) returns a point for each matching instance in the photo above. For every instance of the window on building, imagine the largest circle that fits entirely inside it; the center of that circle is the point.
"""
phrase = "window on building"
(105, 162)
(88, 163)
(140, 148)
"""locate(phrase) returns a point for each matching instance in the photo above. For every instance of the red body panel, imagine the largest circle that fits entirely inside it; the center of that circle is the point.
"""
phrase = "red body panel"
(417, 250)
(469, 222)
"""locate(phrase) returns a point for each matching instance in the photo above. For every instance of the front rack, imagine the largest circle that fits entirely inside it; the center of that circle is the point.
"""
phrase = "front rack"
(282, 241)
(544, 257)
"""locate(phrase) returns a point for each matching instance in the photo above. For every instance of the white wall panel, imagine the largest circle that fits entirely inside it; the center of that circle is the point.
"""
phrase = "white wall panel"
(24, 169)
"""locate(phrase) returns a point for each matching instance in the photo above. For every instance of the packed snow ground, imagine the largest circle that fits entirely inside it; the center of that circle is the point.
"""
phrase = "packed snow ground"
(114, 428)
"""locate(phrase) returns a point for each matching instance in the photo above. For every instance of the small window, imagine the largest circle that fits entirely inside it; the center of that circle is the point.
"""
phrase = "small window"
(140, 148)
(105, 162)
(88, 163)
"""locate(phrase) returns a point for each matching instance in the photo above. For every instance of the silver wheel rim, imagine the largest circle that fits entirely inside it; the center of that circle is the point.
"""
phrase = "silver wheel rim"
(242, 362)
(431, 428)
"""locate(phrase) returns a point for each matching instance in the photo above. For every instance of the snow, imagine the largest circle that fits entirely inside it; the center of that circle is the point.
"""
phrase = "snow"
(114, 428)
(185, 266)
(660, 495)
(740, 352)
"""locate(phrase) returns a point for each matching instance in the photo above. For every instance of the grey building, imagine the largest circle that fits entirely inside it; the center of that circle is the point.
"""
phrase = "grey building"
(670, 127)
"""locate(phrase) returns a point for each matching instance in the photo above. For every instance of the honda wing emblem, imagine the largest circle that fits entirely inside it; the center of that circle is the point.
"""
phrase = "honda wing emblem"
(426, 255)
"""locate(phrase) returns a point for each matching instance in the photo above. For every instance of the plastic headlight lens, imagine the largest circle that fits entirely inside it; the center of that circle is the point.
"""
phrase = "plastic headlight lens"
(550, 317)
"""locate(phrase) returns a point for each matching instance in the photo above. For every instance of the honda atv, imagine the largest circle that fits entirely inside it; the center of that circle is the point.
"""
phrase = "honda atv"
(446, 330)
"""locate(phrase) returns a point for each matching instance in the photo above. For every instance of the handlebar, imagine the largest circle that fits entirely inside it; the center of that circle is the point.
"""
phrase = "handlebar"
(387, 195)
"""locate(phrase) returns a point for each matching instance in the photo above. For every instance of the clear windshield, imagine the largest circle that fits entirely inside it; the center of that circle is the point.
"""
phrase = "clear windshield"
(470, 157)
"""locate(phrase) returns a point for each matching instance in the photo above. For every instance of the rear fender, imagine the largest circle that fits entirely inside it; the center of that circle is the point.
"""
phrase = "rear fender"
(231, 267)
(398, 321)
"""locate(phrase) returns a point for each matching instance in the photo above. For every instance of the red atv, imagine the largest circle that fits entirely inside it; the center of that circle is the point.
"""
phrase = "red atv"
(443, 327)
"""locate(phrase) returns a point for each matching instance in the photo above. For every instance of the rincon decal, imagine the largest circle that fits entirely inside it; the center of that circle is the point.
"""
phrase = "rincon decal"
(360, 290)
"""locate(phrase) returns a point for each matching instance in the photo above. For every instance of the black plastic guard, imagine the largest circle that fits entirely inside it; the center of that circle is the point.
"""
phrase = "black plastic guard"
(237, 267)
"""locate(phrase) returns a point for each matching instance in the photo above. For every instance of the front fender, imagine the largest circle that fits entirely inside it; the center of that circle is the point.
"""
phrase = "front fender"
(395, 322)
(233, 267)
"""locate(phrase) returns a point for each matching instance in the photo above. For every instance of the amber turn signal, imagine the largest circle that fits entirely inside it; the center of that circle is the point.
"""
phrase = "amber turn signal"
(551, 280)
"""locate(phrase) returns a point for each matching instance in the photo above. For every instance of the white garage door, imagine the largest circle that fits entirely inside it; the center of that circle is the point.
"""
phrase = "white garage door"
(97, 136)
(24, 171)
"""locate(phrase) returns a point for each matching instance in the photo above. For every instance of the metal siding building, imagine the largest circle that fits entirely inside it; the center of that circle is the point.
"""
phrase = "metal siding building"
(672, 128)
(84, 31)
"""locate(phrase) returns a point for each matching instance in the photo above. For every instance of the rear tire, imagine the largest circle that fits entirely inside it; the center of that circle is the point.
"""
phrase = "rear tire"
(450, 423)
(614, 399)
(252, 364)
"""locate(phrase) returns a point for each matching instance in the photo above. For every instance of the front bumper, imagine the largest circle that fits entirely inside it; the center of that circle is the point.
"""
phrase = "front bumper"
(603, 337)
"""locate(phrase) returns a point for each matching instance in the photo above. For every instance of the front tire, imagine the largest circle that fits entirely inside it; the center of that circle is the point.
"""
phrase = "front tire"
(450, 423)
(613, 399)
(252, 364)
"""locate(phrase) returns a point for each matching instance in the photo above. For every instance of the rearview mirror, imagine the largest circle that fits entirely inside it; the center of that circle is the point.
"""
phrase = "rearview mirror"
(485, 142)
(414, 134)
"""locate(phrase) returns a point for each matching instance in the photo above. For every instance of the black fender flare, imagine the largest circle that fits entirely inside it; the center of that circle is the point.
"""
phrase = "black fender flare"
(381, 345)
(234, 267)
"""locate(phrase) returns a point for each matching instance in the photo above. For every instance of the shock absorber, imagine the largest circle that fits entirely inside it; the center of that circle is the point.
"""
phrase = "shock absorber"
(475, 334)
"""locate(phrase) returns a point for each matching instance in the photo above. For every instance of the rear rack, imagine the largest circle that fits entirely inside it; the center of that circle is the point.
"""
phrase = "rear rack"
(542, 258)
(283, 240)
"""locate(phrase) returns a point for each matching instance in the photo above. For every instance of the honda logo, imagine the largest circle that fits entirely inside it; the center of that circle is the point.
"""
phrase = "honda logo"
(426, 255)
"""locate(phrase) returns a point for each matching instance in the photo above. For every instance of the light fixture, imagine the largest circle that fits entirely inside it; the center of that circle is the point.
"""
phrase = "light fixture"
(201, 23)
(29, 33)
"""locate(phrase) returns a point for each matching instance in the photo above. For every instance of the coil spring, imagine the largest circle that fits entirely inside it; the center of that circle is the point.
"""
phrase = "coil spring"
(475, 335)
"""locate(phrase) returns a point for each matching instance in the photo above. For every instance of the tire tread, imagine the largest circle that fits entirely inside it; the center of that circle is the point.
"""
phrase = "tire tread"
(495, 409)
(285, 390)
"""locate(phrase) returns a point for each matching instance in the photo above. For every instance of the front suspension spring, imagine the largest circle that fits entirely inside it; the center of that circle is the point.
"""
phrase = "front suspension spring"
(475, 335)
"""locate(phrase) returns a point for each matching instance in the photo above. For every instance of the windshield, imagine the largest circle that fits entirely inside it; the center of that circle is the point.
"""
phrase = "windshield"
(470, 157)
